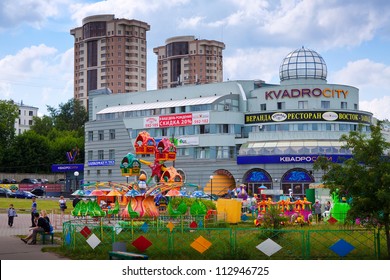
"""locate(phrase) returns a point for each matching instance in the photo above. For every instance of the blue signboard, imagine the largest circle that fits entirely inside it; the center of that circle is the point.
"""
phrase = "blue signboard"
(67, 167)
(110, 162)
(281, 159)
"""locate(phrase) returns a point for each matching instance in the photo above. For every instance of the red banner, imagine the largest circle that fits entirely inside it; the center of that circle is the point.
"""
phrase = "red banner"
(175, 120)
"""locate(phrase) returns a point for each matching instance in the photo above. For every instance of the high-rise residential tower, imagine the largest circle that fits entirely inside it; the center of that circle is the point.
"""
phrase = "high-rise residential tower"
(186, 60)
(109, 53)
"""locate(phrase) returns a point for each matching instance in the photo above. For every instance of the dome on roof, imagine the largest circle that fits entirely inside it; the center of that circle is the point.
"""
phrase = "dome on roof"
(303, 64)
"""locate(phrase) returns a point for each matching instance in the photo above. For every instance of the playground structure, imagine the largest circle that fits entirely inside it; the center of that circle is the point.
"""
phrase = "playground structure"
(298, 212)
(137, 199)
(140, 199)
(340, 207)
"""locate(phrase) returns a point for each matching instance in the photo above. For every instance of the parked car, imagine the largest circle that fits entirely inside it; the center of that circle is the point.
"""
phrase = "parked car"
(42, 181)
(9, 181)
(38, 191)
(60, 181)
(29, 181)
(4, 192)
(24, 194)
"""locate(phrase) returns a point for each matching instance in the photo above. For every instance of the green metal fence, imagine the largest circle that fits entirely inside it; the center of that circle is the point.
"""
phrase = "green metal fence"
(180, 238)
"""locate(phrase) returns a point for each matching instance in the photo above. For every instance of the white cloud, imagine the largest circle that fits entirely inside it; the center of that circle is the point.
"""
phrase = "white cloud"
(364, 72)
(328, 24)
(380, 107)
(28, 62)
(122, 8)
(373, 81)
(260, 64)
(192, 22)
(33, 12)
(37, 75)
(5, 90)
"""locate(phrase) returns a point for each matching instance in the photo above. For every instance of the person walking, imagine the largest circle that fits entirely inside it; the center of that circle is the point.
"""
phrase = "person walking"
(33, 211)
(317, 210)
(62, 203)
(11, 215)
(75, 201)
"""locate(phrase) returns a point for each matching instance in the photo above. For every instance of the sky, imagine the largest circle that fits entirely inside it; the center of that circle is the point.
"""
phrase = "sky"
(353, 37)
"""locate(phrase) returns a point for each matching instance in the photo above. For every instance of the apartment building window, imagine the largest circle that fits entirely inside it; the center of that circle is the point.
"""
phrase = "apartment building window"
(355, 106)
(325, 104)
(100, 154)
(281, 105)
(90, 155)
(30, 113)
(112, 134)
(302, 105)
(223, 152)
(343, 105)
(204, 129)
(101, 135)
(111, 154)
(263, 107)
(203, 153)
(90, 136)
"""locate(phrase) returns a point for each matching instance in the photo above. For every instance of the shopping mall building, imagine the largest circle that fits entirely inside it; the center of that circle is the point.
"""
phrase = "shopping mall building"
(239, 132)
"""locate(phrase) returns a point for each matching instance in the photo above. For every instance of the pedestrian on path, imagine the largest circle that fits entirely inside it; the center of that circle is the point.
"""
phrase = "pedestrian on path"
(75, 201)
(62, 204)
(33, 211)
(11, 215)
(317, 210)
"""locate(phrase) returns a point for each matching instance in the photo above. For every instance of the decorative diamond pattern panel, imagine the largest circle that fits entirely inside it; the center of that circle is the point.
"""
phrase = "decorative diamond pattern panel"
(269, 247)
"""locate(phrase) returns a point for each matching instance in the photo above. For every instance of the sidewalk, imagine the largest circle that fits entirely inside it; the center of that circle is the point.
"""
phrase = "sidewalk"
(12, 248)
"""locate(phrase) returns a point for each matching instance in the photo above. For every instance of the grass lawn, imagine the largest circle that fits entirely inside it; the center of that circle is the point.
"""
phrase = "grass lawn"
(24, 205)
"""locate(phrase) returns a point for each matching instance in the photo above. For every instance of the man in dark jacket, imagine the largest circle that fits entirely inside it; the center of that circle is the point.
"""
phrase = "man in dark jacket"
(75, 201)
(41, 226)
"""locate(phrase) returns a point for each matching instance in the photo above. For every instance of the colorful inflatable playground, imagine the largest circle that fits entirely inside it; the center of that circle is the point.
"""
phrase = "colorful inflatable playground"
(140, 199)
(146, 199)
(157, 212)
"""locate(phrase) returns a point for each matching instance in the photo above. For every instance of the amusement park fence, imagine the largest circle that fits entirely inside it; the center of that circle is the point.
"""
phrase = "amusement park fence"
(168, 238)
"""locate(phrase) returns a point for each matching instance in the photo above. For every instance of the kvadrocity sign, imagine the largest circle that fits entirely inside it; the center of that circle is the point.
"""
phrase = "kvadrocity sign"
(306, 92)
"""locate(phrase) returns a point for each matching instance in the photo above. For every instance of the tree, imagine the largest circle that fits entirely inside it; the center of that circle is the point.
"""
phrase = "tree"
(28, 153)
(365, 177)
(8, 114)
(70, 116)
(43, 125)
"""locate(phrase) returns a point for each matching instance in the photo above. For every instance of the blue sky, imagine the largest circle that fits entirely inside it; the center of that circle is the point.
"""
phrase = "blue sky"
(353, 37)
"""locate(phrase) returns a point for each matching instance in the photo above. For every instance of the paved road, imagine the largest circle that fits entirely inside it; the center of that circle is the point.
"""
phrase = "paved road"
(12, 248)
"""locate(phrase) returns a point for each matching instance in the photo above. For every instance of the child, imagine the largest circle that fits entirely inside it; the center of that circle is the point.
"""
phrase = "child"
(11, 215)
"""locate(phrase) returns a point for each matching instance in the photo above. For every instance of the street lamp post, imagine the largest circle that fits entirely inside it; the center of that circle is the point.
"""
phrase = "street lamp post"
(211, 183)
(76, 174)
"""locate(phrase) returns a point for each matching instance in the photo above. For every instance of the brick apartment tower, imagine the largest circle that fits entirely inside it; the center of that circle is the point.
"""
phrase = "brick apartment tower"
(185, 60)
(109, 53)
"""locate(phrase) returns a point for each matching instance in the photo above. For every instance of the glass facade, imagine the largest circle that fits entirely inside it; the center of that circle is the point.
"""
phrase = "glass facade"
(94, 29)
